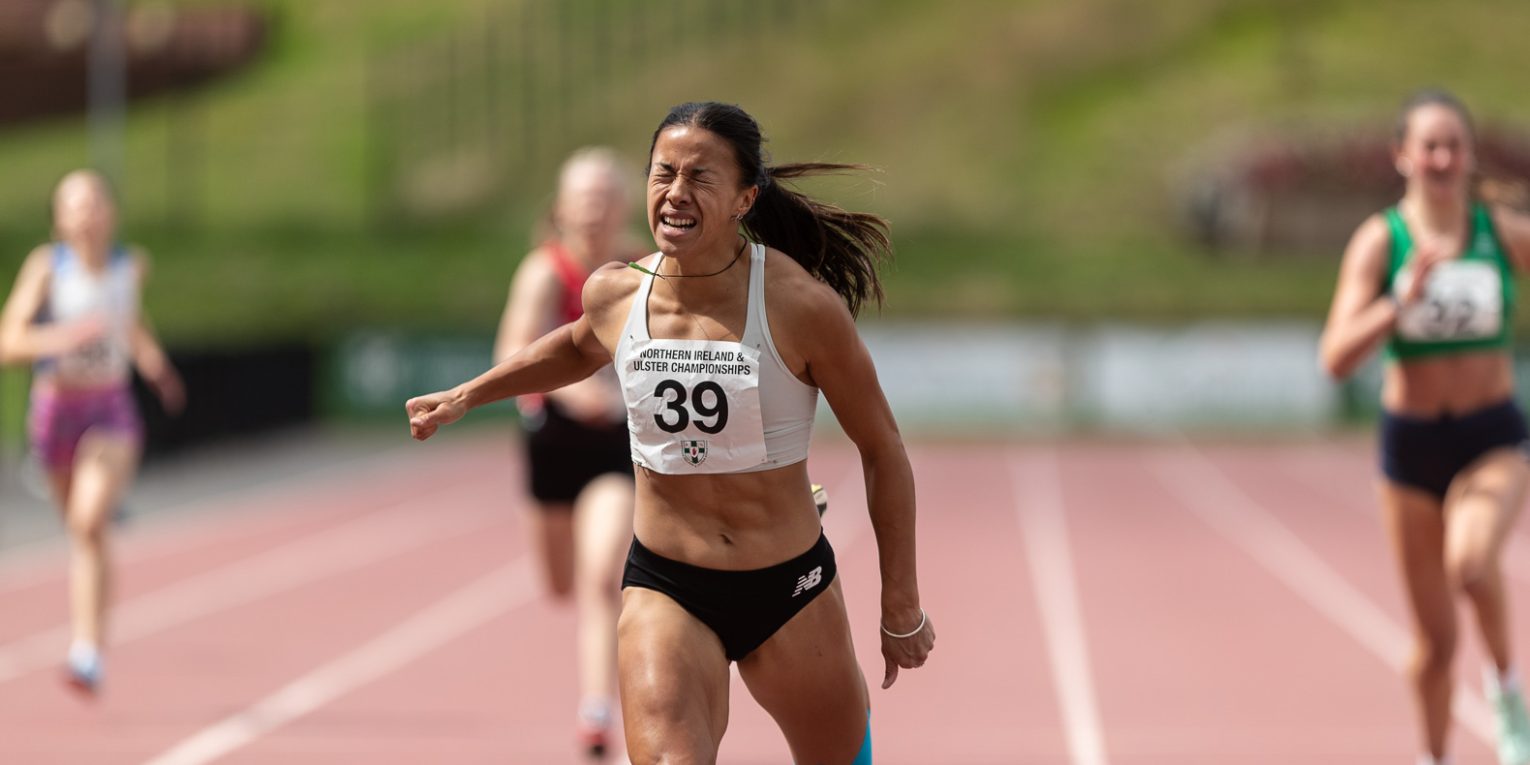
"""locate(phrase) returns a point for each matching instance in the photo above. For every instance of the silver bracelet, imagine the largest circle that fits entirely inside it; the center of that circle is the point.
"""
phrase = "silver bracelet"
(923, 617)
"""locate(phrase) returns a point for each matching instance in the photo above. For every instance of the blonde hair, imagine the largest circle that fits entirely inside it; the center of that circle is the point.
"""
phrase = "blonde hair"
(602, 160)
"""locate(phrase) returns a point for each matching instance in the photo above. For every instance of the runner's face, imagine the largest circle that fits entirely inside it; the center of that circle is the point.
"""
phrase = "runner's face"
(590, 211)
(83, 211)
(1437, 154)
(694, 190)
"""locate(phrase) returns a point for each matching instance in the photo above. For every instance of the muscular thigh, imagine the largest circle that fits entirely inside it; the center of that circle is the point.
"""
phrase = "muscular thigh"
(1415, 520)
(103, 468)
(1483, 503)
(807, 678)
(674, 681)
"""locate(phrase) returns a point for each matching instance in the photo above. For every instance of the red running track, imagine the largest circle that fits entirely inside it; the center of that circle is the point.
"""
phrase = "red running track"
(1164, 602)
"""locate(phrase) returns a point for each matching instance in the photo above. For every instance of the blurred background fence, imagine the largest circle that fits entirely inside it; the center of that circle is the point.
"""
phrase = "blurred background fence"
(454, 120)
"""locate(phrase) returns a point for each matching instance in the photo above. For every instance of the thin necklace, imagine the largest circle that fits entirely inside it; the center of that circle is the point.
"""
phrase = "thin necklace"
(742, 244)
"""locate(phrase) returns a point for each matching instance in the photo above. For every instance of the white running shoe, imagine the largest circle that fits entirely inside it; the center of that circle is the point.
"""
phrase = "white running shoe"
(1513, 725)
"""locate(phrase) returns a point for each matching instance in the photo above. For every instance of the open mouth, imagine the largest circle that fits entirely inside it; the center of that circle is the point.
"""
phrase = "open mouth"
(677, 221)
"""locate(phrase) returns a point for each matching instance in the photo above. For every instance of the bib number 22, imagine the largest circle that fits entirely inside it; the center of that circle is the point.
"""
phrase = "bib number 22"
(707, 400)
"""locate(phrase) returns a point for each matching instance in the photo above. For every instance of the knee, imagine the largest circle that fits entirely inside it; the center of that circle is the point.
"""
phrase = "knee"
(1471, 571)
(559, 588)
(599, 582)
(86, 528)
(558, 580)
(662, 726)
(661, 741)
(1433, 654)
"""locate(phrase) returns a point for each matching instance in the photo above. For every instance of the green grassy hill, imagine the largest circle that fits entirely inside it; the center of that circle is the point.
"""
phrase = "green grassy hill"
(1033, 154)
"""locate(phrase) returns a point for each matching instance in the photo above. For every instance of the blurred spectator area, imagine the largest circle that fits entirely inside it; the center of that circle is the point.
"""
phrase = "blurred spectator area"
(1298, 195)
(45, 44)
(505, 94)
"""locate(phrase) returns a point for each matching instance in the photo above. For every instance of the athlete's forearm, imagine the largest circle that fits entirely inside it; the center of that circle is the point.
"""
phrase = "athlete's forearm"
(1346, 346)
(890, 498)
(34, 343)
(553, 361)
(148, 355)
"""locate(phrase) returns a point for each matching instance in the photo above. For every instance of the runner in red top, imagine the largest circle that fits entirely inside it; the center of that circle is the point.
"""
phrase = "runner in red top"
(576, 437)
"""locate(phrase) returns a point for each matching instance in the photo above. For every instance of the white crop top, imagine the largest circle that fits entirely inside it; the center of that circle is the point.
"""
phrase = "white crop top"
(712, 406)
(111, 297)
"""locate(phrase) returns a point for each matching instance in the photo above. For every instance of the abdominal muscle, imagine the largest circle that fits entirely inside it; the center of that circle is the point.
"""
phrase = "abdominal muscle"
(1454, 384)
(731, 522)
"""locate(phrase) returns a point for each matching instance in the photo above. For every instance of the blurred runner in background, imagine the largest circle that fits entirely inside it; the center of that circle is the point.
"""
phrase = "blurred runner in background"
(74, 313)
(1430, 282)
(578, 463)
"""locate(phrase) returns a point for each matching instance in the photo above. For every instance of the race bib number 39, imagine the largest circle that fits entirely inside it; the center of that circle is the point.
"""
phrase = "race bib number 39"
(1462, 300)
(694, 406)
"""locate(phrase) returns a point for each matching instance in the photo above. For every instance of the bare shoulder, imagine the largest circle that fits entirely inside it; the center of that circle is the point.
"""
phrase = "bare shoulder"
(799, 305)
(535, 273)
(1513, 227)
(536, 261)
(38, 264)
(41, 257)
(1368, 246)
(787, 281)
(1373, 232)
(31, 285)
(610, 286)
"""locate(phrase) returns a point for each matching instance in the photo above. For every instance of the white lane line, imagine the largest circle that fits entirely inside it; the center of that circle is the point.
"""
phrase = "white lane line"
(505, 589)
(1205, 491)
(1043, 522)
(357, 543)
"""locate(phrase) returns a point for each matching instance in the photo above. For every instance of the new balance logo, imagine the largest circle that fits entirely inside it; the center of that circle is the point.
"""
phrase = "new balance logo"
(809, 581)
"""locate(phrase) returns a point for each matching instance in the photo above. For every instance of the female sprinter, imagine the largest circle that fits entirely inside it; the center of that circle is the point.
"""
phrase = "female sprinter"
(74, 312)
(1430, 282)
(721, 359)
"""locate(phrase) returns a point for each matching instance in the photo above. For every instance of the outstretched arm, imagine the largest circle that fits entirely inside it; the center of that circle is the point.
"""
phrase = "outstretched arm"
(841, 367)
(565, 355)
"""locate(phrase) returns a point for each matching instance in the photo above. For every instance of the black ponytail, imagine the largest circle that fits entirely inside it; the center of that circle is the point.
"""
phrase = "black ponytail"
(841, 248)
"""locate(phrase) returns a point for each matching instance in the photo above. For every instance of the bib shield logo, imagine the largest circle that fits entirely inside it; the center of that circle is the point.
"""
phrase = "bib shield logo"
(694, 451)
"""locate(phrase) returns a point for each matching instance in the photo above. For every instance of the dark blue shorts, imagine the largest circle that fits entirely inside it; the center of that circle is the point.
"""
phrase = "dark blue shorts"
(1427, 453)
(744, 608)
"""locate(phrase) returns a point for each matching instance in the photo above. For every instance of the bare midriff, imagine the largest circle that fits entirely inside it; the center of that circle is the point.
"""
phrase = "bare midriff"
(732, 522)
(1457, 383)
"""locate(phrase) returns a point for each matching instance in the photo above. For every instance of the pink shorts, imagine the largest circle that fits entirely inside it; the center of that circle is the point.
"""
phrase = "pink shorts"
(59, 418)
